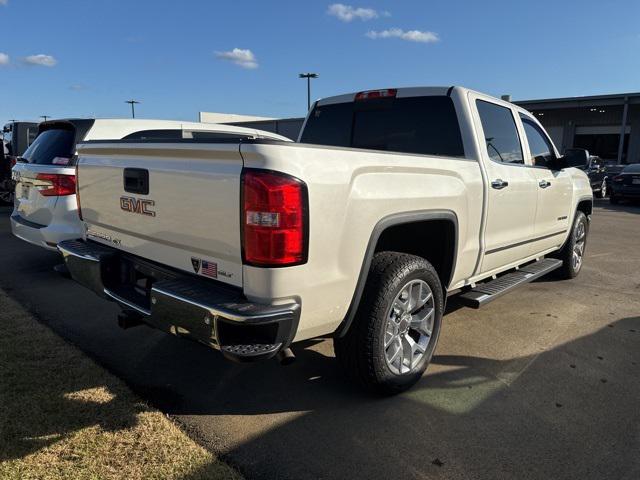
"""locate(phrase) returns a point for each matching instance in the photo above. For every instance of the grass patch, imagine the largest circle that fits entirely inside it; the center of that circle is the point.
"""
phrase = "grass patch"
(63, 417)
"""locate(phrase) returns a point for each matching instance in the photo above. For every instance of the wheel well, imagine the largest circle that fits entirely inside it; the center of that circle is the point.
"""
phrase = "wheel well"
(434, 240)
(586, 207)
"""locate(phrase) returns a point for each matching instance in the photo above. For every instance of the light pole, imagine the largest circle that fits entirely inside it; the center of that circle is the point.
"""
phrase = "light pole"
(308, 76)
(44, 117)
(133, 109)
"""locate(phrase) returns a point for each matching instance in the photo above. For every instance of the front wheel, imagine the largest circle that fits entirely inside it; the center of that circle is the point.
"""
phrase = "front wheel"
(572, 254)
(396, 327)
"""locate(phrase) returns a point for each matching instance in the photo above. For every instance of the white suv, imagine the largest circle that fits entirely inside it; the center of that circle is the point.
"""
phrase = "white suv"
(45, 209)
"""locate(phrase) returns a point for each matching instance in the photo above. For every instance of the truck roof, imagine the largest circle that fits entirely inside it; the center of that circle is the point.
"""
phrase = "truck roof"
(402, 92)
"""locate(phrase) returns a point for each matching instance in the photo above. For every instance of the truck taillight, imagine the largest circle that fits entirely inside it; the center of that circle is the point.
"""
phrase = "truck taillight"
(274, 219)
(56, 184)
(78, 194)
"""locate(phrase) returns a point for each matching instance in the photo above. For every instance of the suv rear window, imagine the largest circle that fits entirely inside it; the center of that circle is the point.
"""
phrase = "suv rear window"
(52, 147)
(632, 168)
(423, 125)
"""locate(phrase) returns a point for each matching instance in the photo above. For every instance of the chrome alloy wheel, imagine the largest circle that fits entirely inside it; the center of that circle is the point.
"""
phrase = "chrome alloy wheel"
(603, 188)
(409, 327)
(578, 247)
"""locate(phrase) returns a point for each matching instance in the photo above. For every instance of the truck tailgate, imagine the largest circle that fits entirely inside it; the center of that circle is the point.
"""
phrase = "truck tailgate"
(176, 204)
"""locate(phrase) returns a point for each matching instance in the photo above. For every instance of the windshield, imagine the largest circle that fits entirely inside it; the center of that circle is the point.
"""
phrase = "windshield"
(423, 125)
(52, 147)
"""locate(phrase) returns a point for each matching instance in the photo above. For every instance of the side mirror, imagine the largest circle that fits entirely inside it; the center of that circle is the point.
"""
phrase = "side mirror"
(576, 157)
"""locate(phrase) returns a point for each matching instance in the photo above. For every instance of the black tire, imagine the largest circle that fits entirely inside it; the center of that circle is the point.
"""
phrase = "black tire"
(613, 199)
(603, 190)
(569, 269)
(361, 351)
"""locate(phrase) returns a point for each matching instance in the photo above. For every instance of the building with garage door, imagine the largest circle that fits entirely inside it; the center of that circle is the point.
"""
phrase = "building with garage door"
(606, 125)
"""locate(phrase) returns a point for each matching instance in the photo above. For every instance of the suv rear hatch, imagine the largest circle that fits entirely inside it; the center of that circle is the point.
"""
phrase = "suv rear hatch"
(176, 204)
(46, 170)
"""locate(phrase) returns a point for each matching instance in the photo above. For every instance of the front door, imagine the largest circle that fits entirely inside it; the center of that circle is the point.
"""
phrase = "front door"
(512, 193)
(555, 189)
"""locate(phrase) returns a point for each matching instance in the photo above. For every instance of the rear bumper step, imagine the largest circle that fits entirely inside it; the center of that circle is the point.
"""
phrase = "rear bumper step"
(489, 291)
(215, 315)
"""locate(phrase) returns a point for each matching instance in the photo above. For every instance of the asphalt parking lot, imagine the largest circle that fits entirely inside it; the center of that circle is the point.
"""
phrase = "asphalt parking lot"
(542, 383)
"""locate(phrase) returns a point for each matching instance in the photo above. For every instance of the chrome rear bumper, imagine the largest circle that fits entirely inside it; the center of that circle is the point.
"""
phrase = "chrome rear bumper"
(184, 305)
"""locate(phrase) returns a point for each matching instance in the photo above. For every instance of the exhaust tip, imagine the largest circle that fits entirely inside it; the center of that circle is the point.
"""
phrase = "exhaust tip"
(286, 357)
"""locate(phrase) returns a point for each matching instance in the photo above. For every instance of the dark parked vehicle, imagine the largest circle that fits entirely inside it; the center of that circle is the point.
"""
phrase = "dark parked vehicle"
(626, 185)
(16, 138)
(612, 170)
(595, 170)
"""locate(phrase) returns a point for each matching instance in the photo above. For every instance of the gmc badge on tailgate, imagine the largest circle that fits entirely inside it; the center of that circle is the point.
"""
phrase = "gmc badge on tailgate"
(137, 205)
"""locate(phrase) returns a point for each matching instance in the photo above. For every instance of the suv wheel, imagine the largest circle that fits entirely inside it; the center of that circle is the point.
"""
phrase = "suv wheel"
(394, 333)
(572, 254)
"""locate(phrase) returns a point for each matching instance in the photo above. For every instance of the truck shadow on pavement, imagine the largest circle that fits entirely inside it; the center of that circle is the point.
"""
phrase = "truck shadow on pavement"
(469, 417)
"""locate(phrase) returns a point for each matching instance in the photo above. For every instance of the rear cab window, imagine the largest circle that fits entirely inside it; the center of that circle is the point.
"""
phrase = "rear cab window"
(418, 125)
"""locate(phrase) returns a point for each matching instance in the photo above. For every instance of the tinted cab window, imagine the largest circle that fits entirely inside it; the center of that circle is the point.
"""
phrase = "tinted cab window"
(501, 135)
(539, 146)
(422, 125)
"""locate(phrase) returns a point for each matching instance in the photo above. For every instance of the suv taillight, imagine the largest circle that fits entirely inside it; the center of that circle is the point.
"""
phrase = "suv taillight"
(274, 219)
(618, 178)
(57, 185)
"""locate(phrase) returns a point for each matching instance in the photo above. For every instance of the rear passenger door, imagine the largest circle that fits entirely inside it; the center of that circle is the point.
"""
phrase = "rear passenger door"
(555, 188)
(512, 191)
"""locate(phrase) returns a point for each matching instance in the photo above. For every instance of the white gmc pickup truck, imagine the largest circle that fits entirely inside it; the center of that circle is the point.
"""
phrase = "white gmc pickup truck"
(390, 201)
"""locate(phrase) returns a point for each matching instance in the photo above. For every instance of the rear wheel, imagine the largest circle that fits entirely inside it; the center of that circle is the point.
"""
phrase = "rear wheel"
(572, 254)
(394, 334)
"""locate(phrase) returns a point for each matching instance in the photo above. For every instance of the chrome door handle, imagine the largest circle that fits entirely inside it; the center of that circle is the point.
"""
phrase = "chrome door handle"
(499, 184)
(544, 184)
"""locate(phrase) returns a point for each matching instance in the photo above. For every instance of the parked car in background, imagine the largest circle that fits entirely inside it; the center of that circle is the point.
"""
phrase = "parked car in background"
(45, 208)
(16, 138)
(611, 170)
(392, 199)
(626, 185)
(595, 170)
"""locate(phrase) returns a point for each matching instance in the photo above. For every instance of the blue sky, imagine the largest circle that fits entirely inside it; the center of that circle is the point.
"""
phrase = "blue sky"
(86, 57)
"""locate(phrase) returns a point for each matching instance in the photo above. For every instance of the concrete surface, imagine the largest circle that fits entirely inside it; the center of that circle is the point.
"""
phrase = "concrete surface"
(542, 383)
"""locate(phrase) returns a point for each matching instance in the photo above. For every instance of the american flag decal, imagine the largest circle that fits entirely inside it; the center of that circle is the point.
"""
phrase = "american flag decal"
(209, 269)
